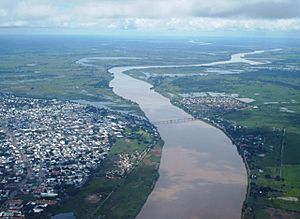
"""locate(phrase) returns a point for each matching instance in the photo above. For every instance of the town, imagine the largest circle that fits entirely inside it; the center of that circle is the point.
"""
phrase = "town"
(212, 107)
(254, 145)
(48, 146)
(210, 103)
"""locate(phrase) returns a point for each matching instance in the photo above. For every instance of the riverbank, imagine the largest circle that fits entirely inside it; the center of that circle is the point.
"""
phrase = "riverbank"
(119, 71)
(199, 164)
(222, 126)
(254, 130)
(267, 135)
(195, 151)
(127, 87)
(124, 193)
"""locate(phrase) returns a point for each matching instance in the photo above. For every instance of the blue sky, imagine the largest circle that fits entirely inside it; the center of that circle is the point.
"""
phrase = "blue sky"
(152, 15)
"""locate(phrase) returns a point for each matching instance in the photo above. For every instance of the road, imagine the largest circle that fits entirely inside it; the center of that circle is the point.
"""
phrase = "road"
(24, 160)
(283, 142)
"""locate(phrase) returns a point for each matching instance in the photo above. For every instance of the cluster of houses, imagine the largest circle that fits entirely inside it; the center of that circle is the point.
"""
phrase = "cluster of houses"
(207, 104)
(250, 142)
(211, 107)
(46, 145)
(125, 163)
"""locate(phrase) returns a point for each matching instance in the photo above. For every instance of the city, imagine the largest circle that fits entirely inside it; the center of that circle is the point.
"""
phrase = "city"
(48, 146)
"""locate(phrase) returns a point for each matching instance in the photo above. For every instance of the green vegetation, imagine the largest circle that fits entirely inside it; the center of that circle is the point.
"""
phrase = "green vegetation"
(46, 68)
(132, 193)
(280, 165)
(274, 177)
(116, 197)
(43, 72)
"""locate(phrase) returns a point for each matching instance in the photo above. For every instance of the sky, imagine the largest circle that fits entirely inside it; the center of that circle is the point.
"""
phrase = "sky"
(153, 15)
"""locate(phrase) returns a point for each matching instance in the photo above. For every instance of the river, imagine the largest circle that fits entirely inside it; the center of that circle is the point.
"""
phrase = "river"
(201, 173)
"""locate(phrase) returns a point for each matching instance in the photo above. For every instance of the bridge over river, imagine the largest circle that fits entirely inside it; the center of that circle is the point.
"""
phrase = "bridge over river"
(174, 121)
(201, 175)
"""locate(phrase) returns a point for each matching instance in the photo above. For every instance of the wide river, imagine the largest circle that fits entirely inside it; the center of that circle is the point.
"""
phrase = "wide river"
(201, 173)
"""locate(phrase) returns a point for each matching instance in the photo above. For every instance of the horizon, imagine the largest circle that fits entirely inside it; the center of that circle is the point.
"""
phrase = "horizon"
(132, 17)
(34, 31)
(143, 109)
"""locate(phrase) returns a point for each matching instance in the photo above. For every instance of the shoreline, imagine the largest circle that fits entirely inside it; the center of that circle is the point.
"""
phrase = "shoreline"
(235, 58)
(237, 148)
(122, 70)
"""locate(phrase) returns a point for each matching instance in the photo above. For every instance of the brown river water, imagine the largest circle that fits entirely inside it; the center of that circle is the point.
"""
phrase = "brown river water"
(201, 174)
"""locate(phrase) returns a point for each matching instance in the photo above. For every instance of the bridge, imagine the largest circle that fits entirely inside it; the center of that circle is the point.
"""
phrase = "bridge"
(174, 121)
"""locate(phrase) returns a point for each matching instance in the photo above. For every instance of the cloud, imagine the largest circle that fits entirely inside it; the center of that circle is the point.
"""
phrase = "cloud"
(153, 14)
(30, 11)
(264, 9)
(3, 13)
(271, 9)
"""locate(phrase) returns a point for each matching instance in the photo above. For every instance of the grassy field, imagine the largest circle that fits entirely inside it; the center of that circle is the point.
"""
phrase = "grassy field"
(45, 67)
(274, 191)
(119, 197)
(280, 168)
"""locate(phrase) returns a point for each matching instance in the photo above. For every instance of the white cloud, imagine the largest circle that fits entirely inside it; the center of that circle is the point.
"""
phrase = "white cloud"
(154, 14)
(3, 13)
(33, 11)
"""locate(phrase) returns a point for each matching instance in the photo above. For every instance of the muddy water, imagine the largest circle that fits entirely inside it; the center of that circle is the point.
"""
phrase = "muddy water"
(201, 173)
